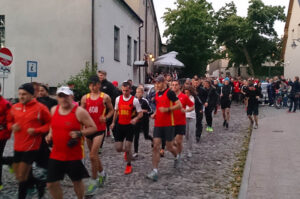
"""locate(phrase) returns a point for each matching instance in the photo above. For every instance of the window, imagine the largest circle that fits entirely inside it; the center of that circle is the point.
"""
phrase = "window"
(2, 31)
(129, 50)
(135, 50)
(117, 43)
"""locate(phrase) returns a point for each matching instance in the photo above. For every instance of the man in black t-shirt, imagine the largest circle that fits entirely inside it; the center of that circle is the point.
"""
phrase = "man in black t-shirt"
(252, 96)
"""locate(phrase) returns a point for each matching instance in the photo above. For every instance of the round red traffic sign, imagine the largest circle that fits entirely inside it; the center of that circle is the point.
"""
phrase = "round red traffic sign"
(6, 56)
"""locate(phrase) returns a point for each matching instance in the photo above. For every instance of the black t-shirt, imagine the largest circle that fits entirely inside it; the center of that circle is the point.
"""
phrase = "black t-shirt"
(145, 106)
(171, 95)
(226, 90)
(252, 93)
(47, 101)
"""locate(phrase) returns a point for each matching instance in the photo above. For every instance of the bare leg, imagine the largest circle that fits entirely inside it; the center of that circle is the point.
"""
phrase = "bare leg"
(227, 114)
(94, 157)
(128, 151)
(79, 189)
(224, 115)
(256, 119)
(170, 147)
(55, 190)
(179, 140)
(155, 152)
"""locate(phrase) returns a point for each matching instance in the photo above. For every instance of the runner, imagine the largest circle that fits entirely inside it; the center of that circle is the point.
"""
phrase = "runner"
(124, 108)
(252, 96)
(28, 120)
(191, 118)
(199, 111)
(96, 103)
(4, 133)
(179, 115)
(66, 135)
(166, 103)
(210, 95)
(143, 123)
(226, 96)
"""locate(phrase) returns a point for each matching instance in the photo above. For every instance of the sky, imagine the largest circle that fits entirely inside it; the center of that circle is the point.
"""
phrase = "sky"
(242, 6)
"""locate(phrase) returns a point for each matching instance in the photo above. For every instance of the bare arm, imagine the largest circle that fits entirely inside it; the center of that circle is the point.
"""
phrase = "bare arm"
(83, 101)
(109, 106)
(85, 119)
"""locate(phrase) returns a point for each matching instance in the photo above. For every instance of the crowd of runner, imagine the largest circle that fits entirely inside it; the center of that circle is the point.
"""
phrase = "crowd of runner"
(50, 133)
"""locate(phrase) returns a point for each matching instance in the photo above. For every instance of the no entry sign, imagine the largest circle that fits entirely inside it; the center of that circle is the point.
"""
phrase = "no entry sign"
(6, 57)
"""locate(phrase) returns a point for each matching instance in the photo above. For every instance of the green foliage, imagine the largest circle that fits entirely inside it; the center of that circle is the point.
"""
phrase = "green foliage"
(80, 81)
(250, 40)
(190, 29)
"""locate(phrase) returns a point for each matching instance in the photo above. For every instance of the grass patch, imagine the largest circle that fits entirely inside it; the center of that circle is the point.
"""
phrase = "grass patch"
(238, 167)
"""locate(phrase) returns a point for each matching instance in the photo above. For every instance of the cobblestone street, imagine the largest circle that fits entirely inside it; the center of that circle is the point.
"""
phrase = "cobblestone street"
(206, 175)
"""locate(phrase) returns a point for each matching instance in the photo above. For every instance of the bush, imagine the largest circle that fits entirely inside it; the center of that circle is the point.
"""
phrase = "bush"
(80, 81)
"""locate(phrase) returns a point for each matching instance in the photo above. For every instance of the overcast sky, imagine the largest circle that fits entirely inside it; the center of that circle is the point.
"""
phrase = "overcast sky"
(242, 5)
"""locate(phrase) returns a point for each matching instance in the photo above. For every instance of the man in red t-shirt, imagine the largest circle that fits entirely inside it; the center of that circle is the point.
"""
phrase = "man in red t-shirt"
(96, 103)
(179, 115)
(28, 120)
(66, 135)
(125, 106)
(166, 103)
(4, 133)
(236, 90)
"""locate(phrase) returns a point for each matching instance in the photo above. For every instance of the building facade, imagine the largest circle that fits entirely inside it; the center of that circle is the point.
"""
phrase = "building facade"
(291, 45)
(62, 36)
(150, 39)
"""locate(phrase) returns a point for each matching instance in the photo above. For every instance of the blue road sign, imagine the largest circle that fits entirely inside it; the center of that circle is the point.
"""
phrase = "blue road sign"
(32, 67)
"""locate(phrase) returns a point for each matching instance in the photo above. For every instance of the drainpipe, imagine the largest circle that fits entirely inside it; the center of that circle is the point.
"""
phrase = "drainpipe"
(93, 34)
(141, 26)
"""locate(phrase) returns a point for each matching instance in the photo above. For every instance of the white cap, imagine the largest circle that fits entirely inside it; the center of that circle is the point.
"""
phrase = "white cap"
(65, 90)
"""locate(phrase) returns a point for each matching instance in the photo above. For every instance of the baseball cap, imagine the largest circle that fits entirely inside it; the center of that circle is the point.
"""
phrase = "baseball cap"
(65, 90)
(160, 78)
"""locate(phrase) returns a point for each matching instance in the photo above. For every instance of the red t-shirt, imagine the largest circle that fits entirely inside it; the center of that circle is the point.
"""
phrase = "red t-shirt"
(96, 109)
(125, 109)
(4, 110)
(179, 116)
(236, 86)
(163, 119)
(61, 126)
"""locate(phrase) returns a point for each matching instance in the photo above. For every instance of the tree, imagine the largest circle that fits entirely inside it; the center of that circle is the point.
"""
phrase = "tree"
(190, 29)
(249, 40)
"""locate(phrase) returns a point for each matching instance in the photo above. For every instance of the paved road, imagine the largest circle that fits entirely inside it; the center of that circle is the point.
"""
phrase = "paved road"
(273, 164)
(206, 175)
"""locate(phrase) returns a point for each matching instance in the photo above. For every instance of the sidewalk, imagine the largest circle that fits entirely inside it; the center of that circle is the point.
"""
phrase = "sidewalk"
(272, 170)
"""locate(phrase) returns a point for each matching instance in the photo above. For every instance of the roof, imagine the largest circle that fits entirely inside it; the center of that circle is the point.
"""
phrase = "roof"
(130, 10)
(286, 28)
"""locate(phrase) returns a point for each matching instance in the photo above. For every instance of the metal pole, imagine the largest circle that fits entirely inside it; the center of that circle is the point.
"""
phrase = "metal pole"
(31, 79)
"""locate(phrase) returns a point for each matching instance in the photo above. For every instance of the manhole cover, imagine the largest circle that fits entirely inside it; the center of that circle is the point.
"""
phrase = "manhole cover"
(277, 131)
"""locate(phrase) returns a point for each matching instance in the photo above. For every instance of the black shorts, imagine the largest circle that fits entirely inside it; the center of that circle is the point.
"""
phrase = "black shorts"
(252, 110)
(180, 130)
(164, 132)
(25, 156)
(98, 133)
(124, 132)
(225, 103)
(74, 169)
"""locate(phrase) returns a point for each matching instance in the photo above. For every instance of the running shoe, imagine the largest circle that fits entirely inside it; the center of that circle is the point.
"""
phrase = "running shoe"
(224, 123)
(101, 180)
(207, 129)
(125, 156)
(162, 153)
(91, 188)
(135, 155)
(198, 139)
(189, 155)
(128, 169)
(255, 126)
(153, 175)
(177, 161)
(31, 192)
(11, 170)
(1, 187)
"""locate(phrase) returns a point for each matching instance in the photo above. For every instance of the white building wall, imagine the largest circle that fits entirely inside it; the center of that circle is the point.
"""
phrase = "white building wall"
(107, 15)
(55, 33)
(291, 57)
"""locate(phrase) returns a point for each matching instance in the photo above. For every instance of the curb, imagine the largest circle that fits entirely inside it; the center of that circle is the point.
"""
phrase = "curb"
(247, 168)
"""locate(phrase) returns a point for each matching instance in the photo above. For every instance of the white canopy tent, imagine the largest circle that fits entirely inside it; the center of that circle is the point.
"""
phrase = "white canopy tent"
(168, 60)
